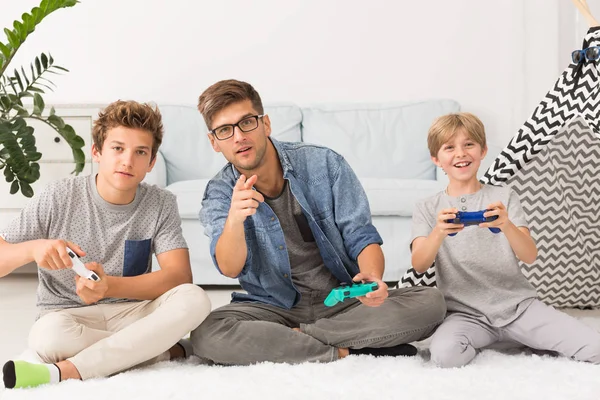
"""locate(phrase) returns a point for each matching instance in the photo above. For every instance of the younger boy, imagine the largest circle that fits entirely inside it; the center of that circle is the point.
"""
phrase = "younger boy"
(114, 222)
(488, 298)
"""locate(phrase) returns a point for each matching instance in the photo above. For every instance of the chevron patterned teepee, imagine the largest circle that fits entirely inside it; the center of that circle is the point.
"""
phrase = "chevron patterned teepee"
(553, 163)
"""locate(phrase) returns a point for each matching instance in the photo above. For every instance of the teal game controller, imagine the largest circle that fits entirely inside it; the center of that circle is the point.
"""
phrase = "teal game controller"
(339, 294)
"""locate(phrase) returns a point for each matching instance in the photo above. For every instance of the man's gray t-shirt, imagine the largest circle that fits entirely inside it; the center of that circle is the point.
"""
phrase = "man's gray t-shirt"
(309, 272)
(477, 270)
(120, 237)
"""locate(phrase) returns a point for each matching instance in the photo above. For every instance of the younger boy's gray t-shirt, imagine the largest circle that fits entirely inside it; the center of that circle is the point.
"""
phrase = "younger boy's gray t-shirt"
(477, 270)
(120, 237)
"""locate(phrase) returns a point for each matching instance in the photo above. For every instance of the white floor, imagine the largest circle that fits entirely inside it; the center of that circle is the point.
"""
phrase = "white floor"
(18, 311)
(492, 375)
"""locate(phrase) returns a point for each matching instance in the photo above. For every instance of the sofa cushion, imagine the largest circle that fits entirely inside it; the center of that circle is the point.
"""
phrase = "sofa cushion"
(398, 196)
(189, 197)
(386, 196)
(386, 140)
(187, 150)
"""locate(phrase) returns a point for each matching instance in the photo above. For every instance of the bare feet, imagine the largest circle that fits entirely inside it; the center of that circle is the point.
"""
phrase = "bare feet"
(67, 370)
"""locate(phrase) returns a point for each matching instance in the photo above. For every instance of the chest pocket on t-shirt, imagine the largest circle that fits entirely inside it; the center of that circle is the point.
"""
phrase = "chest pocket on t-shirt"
(137, 257)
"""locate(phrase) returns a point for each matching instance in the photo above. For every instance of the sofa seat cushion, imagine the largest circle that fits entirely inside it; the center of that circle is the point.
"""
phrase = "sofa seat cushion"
(398, 196)
(386, 196)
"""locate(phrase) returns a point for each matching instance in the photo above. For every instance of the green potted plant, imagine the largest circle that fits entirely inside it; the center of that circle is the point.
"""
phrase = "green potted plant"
(18, 154)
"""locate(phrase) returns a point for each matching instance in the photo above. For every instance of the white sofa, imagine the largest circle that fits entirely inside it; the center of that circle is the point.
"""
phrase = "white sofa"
(386, 145)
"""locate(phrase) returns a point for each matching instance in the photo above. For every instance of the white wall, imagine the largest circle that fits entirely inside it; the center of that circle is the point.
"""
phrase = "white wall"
(497, 58)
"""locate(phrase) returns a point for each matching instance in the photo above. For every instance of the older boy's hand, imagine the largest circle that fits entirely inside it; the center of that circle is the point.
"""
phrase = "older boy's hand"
(52, 253)
(444, 227)
(91, 291)
(376, 297)
(496, 209)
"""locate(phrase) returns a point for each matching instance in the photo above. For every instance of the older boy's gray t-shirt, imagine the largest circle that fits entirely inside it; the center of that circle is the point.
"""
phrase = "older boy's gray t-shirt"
(477, 270)
(120, 237)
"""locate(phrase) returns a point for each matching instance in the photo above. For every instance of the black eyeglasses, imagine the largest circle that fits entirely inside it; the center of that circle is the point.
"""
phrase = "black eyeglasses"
(589, 54)
(246, 124)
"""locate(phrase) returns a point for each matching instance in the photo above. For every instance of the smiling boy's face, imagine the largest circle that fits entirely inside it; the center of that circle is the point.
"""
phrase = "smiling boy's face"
(460, 157)
(123, 163)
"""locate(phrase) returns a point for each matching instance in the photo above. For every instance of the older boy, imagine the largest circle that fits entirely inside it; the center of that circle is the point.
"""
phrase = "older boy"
(114, 222)
(488, 298)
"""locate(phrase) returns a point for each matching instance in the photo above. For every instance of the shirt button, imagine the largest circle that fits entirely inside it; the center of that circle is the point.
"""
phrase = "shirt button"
(280, 247)
(272, 218)
(285, 275)
(462, 200)
(464, 208)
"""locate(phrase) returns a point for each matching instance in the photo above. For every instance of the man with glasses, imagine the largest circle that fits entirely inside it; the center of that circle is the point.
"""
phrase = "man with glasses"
(291, 222)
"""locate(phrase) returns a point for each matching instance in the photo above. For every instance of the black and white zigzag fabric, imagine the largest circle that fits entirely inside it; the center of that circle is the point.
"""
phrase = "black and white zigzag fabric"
(553, 163)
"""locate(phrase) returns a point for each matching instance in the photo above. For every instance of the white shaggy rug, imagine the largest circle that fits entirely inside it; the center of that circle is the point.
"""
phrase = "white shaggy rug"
(492, 375)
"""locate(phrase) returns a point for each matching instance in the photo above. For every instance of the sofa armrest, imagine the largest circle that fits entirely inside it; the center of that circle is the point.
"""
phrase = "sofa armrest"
(158, 175)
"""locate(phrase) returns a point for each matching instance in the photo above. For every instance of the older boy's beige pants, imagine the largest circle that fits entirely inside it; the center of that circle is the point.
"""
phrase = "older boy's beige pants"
(105, 339)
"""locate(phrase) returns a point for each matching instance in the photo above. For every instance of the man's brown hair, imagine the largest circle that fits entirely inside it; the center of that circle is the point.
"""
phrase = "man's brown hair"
(224, 93)
(445, 127)
(129, 114)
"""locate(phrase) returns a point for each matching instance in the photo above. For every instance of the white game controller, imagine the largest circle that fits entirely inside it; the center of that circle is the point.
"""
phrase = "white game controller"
(80, 269)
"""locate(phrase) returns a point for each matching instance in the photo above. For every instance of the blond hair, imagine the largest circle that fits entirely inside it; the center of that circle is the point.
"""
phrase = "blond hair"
(446, 127)
(129, 114)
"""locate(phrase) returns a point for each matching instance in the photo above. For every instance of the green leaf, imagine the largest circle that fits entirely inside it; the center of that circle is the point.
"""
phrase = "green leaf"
(35, 89)
(14, 188)
(26, 189)
(25, 76)
(44, 61)
(20, 30)
(38, 104)
(12, 38)
(68, 132)
(5, 101)
(18, 78)
(29, 22)
(60, 68)
(38, 67)
(37, 14)
(35, 156)
(8, 175)
(52, 111)
(5, 50)
(77, 143)
(19, 124)
(56, 121)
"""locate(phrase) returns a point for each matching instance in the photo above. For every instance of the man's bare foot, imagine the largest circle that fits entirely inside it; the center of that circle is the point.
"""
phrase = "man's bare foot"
(67, 370)
(343, 352)
(176, 351)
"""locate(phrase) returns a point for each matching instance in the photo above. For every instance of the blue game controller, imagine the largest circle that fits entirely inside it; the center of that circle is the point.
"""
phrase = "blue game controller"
(349, 291)
(473, 218)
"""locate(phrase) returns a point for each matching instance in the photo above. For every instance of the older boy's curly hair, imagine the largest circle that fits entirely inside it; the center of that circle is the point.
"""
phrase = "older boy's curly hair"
(129, 114)
(445, 127)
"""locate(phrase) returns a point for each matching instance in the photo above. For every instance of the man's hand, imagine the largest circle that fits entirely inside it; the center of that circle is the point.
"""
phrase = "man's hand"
(496, 209)
(52, 253)
(445, 228)
(91, 291)
(375, 298)
(244, 200)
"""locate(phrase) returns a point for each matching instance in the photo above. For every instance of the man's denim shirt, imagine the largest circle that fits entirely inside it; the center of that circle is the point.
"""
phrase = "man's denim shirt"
(333, 202)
